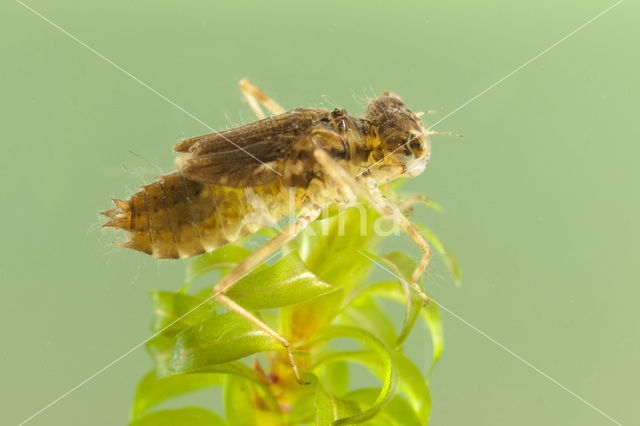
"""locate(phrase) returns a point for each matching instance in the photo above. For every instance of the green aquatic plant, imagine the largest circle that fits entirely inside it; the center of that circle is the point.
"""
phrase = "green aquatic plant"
(318, 295)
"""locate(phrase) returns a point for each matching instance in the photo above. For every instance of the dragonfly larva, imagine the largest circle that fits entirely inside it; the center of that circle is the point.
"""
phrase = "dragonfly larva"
(304, 160)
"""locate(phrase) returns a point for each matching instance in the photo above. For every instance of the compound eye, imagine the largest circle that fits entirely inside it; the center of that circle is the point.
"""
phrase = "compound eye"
(415, 145)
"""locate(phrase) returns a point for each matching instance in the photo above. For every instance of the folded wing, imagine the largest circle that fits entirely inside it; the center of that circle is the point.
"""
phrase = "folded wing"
(250, 155)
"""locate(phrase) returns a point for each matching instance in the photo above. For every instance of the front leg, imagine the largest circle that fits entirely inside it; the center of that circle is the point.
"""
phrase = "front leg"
(406, 225)
(406, 202)
(367, 188)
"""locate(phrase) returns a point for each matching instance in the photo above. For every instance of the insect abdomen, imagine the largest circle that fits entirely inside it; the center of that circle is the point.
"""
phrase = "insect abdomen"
(175, 217)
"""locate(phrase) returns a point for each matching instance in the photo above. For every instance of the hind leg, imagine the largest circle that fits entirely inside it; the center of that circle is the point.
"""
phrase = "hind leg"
(308, 212)
(255, 97)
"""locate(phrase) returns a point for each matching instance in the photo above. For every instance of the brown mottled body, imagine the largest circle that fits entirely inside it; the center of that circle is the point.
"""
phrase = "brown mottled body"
(175, 217)
(234, 194)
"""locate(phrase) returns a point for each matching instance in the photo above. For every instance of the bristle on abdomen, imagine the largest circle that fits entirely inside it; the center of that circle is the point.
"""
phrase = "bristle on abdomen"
(120, 217)
(159, 219)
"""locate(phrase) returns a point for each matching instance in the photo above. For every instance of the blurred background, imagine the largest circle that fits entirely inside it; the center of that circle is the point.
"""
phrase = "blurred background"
(541, 195)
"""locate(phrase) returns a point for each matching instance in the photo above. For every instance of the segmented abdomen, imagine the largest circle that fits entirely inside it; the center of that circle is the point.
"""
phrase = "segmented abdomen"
(176, 217)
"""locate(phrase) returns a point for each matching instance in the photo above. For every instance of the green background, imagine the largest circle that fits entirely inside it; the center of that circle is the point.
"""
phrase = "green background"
(541, 194)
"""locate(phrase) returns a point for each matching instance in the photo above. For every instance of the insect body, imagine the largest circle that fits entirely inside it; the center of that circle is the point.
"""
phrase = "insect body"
(232, 183)
(205, 204)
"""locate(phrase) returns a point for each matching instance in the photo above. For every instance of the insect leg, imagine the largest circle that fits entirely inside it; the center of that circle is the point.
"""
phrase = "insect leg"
(406, 202)
(409, 228)
(370, 192)
(308, 212)
(255, 97)
(233, 306)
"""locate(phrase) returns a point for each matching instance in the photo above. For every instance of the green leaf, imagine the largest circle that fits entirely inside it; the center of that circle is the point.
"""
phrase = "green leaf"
(414, 386)
(330, 409)
(286, 282)
(364, 356)
(433, 319)
(431, 315)
(335, 377)
(365, 313)
(403, 266)
(187, 416)
(328, 246)
(247, 404)
(226, 257)
(152, 390)
(303, 410)
(449, 259)
(397, 413)
(389, 376)
(178, 311)
(304, 320)
(161, 349)
(173, 312)
(411, 381)
(238, 405)
(223, 338)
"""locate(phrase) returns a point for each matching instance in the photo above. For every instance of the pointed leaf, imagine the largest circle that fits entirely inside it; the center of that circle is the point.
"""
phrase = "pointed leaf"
(174, 312)
(403, 266)
(364, 312)
(152, 391)
(226, 257)
(335, 377)
(245, 404)
(365, 357)
(236, 368)
(411, 381)
(238, 405)
(286, 282)
(327, 246)
(223, 338)
(389, 376)
(304, 320)
(329, 408)
(449, 259)
(303, 411)
(397, 413)
(431, 315)
(188, 416)
(414, 386)
(161, 349)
